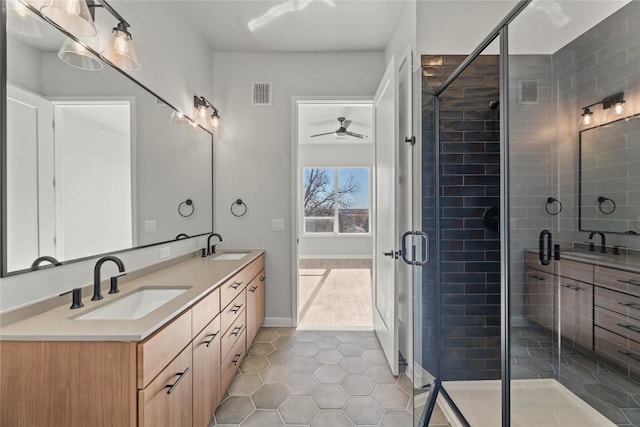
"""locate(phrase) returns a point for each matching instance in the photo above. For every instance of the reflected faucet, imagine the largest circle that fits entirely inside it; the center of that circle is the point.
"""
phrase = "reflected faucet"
(36, 264)
(97, 295)
(603, 242)
(212, 249)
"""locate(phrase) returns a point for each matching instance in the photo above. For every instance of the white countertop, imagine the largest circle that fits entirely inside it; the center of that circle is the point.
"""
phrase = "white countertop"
(199, 275)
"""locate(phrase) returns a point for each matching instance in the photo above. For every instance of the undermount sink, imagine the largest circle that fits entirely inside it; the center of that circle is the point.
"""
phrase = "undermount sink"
(135, 305)
(228, 256)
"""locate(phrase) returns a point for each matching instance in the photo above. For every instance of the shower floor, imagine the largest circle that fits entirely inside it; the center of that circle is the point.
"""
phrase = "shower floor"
(537, 403)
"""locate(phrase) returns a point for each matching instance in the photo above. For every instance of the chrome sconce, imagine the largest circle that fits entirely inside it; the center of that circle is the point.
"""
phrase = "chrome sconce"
(202, 105)
(616, 101)
(76, 17)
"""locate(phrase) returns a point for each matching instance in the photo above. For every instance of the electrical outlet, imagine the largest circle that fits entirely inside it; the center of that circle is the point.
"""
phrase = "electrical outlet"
(277, 225)
(151, 226)
(165, 252)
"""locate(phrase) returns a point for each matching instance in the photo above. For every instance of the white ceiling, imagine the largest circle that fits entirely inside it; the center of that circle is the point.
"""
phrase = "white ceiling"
(294, 25)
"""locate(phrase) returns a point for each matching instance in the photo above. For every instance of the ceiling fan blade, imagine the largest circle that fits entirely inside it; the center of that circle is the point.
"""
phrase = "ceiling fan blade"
(346, 124)
(322, 134)
(357, 135)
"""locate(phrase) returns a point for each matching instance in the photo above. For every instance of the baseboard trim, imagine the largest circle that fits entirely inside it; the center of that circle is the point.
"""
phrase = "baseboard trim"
(278, 322)
(334, 328)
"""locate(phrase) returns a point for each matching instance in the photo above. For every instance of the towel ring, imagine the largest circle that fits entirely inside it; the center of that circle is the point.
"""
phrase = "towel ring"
(238, 208)
(186, 208)
(550, 201)
(602, 200)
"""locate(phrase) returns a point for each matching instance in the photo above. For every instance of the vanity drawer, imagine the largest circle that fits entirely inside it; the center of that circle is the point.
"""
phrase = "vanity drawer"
(532, 261)
(164, 401)
(625, 304)
(232, 361)
(621, 325)
(232, 287)
(618, 280)
(621, 351)
(205, 310)
(234, 332)
(155, 352)
(231, 312)
(575, 270)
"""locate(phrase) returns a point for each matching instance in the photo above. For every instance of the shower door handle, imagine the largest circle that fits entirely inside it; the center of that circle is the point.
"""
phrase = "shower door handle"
(425, 248)
(545, 254)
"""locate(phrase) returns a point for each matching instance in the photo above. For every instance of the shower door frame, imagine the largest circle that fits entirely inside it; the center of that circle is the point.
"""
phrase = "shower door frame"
(501, 32)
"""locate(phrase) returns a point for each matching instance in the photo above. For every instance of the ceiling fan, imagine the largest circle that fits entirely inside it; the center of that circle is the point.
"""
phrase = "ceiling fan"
(342, 130)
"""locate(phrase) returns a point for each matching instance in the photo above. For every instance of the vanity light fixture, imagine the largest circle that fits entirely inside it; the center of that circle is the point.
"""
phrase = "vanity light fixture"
(616, 101)
(120, 50)
(76, 55)
(72, 15)
(202, 105)
(22, 20)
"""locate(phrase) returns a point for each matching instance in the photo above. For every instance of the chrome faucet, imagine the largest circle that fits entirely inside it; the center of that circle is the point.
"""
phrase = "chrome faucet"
(603, 242)
(212, 249)
(97, 295)
(36, 264)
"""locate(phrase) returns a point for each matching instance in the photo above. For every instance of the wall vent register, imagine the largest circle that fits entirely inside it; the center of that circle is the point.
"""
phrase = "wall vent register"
(261, 93)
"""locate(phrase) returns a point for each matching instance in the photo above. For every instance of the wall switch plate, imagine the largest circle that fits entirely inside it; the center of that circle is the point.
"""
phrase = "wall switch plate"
(150, 225)
(277, 225)
(165, 252)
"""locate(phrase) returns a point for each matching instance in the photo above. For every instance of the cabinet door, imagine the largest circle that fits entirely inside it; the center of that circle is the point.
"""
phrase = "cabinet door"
(167, 400)
(576, 312)
(206, 381)
(540, 297)
(252, 309)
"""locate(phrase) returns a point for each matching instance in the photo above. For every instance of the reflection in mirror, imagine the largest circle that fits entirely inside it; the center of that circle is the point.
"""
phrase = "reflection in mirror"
(610, 177)
(95, 162)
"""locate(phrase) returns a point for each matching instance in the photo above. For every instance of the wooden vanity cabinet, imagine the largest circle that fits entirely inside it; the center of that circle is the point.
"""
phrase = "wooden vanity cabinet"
(576, 312)
(540, 298)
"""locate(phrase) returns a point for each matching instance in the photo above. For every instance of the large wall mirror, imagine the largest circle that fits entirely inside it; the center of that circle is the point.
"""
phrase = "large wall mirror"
(610, 177)
(95, 162)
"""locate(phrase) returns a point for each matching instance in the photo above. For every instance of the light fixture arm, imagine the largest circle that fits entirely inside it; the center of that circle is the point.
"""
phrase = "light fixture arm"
(608, 102)
(201, 101)
(123, 25)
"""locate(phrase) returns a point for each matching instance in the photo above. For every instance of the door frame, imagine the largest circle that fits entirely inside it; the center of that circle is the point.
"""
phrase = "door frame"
(295, 183)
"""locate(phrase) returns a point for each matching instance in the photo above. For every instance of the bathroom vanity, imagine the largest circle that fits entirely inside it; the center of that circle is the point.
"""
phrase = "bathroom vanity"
(170, 367)
(597, 300)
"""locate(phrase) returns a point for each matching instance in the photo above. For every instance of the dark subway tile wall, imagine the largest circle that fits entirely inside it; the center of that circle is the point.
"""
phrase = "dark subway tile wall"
(469, 168)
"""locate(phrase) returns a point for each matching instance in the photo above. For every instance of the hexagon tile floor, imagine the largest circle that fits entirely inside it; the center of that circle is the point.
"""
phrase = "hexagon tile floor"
(316, 379)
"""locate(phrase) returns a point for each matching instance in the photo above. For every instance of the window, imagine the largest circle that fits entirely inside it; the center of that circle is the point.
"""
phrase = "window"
(336, 200)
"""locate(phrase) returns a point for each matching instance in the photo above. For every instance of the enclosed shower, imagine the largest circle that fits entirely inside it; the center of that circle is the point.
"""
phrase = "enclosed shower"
(529, 311)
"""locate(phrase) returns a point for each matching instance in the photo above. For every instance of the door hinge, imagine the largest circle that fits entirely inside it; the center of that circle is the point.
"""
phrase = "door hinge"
(411, 140)
(53, 124)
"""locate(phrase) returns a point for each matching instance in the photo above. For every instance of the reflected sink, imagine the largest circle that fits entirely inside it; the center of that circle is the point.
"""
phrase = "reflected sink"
(135, 305)
(228, 256)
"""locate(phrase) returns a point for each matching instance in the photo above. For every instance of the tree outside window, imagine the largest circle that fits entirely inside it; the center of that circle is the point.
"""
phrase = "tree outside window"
(336, 200)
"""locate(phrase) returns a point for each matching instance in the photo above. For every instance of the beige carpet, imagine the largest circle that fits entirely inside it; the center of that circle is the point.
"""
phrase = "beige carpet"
(334, 293)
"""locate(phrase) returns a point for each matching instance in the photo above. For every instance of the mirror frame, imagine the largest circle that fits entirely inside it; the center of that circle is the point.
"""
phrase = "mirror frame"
(3, 147)
(580, 227)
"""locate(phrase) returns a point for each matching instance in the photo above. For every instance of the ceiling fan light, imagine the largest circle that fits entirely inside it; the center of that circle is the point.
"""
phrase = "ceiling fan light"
(71, 15)
(76, 55)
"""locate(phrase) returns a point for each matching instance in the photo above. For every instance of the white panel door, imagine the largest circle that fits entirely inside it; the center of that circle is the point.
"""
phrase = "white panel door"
(30, 230)
(385, 289)
(404, 211)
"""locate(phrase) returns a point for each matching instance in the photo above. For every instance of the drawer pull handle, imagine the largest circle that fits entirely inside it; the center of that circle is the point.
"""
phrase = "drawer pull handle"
(262, 278)
(630, 327)
(182, 374)
(629, 282)
(253, 289)
(236, 359)
(236, 331)
(236, 285)
(536, 277)
(213, 337)
(630, 305)
(236, 308)
(630, 355)
(573, 288)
